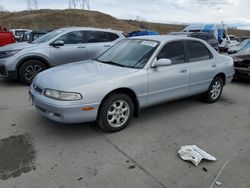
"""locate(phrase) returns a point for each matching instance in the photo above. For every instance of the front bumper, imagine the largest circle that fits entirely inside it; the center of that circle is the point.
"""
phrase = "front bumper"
(63, 111)
(7, 70)
(242, 72)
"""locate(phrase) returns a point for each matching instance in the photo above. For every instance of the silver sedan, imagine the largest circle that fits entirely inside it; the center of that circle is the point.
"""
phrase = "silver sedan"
(133, 74)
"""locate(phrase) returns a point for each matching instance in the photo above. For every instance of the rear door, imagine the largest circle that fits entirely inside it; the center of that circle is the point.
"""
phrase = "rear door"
(202, 66)
(96, 43)
(73, 50)
(169, 82)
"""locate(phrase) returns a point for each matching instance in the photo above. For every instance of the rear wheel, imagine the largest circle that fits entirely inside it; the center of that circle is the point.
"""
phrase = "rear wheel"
(215, 90)
(115, 112)
(29, 70)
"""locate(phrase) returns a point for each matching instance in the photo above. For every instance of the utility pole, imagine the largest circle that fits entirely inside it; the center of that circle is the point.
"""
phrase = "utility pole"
(79, 4)
(32, 4)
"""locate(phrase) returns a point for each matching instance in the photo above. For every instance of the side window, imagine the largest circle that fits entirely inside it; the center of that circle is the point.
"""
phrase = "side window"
(112, 36)
(95, 37)
(197, 51)
(173, 51)
(75, 37)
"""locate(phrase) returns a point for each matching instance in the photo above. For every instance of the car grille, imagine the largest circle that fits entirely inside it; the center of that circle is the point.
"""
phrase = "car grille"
(243, 64)
(37, 89)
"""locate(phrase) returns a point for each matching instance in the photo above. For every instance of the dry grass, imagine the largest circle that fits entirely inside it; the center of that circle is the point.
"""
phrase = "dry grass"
(53, 19)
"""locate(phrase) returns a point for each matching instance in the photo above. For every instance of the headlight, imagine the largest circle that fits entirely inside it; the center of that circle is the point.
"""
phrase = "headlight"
(4, 54)
(62, 95)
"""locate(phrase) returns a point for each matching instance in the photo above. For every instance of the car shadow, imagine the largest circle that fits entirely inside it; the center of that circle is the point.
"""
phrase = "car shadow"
(242, 81)
(10, 83)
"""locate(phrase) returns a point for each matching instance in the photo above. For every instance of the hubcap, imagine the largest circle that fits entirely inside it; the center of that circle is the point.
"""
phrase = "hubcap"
(31, 71)
(118, 113)
(216, 90)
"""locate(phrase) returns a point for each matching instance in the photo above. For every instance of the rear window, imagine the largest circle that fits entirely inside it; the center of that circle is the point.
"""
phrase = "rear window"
(197, 51)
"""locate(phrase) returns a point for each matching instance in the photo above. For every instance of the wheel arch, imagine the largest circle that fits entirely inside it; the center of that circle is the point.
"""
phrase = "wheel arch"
(221, 75)
(131, 94)
(38, 58)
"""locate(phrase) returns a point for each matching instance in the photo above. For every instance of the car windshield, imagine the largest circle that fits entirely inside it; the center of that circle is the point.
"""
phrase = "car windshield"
(47, 37)
(133, 53)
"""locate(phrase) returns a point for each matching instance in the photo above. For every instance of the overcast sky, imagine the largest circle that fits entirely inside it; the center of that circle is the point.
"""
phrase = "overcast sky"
(165, 11)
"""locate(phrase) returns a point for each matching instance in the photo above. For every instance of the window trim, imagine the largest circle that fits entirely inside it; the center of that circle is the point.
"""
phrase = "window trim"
(185, 52)
(211, 56)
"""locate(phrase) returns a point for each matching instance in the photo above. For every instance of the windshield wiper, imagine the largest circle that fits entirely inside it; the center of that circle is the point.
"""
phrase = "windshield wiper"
(110, 63)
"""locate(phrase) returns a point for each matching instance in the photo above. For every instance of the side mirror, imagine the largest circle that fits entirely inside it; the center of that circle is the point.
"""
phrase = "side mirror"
(57, 43)
(162, 63)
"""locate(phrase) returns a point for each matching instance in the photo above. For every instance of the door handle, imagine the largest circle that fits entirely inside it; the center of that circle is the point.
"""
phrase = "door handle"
(213, 66)
(107, 46)
(81, 47)
(183, 71)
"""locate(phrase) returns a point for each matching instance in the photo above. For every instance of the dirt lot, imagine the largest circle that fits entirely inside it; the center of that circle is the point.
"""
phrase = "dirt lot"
(36, 152)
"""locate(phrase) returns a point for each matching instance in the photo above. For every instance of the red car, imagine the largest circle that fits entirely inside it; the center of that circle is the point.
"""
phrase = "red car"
(6, 38)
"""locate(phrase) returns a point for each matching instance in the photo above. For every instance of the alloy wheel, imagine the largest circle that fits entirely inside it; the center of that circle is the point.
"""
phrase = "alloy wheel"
(118, 113)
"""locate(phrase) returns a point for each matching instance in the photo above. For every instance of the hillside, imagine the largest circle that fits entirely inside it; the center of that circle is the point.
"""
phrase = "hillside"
(52, 19)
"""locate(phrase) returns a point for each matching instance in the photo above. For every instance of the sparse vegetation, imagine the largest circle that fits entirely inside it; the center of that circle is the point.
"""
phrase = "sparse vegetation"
(53, 19)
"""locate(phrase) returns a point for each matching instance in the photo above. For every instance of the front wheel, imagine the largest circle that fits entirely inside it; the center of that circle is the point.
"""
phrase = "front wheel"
(115, 112)
(29, 70)
(215, 90)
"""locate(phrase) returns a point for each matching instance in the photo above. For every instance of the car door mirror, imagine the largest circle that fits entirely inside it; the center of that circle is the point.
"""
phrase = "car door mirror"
(58, 43)
(162, 63)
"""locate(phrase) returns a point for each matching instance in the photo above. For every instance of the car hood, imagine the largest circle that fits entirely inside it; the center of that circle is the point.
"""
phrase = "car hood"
(17, 46)
(235, 48)
(74, 75)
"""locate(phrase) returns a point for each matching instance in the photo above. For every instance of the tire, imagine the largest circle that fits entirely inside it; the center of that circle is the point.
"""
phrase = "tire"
(215, 90)
(29, 70)
(115, 112)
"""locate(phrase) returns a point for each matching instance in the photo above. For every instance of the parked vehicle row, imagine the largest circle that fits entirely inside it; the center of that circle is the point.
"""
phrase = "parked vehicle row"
(24, 60)
(135, 73)
(30, 36)
(18, 33)
(208, 37)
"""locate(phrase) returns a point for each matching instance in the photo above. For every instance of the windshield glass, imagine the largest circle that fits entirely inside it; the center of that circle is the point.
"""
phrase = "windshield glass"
(129, 53)
(47, 37)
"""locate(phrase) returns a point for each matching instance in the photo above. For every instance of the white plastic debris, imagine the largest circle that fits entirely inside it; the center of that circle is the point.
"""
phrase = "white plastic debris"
(218, 183)
(194, 154)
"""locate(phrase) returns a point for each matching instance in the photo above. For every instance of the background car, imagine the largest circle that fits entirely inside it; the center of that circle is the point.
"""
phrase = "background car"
(232, 41)
(30, 36)
(135, 73)
(240, 46)
(6, 38)
(18, 33)
(242, 62)
(209, 38)
(24, 60)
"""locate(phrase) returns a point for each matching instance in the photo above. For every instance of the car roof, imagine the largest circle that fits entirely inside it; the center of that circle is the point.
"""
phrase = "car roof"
(164, 38)
(88, 29)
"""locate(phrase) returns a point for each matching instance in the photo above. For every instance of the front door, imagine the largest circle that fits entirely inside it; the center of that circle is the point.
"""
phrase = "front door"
(169, 82)
(73, 49)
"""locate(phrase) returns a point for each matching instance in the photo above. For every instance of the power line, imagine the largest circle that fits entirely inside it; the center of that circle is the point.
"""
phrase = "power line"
(32, 4)
(79, 4)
